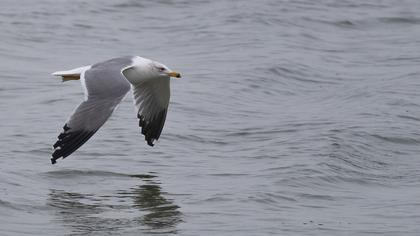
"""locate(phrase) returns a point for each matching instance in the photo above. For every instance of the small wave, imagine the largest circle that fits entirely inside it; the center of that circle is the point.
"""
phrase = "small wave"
(344, 23)
(79, 173)
(350, 24)
(398, 140)
(228, 175)
(195, 138)
(129, 4)
(409, 117)
(271, 199)
(83, 26)
(40, 151)
(400, 20)
(258, 131)
(52, 101)
(300, 73)
(8, 205)
(317, 196)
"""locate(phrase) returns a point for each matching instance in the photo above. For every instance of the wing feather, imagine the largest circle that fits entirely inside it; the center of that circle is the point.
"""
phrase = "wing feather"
(152, 99)
(104, 89)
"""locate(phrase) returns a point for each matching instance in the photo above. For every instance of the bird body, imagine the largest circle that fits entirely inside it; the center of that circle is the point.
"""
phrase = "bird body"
(105, 85)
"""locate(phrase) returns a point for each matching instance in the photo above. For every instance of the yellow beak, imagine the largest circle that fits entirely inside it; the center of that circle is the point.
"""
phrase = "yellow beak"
(174, 74)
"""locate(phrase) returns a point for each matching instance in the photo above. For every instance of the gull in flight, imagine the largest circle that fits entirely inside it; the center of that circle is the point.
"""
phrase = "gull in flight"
(105, 84)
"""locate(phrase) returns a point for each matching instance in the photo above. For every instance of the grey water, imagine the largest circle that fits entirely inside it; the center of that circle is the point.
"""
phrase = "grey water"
(292, 118)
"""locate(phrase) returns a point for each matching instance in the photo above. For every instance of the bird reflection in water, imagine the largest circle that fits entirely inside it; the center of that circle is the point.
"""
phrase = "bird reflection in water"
(87, 213)
(163, 213)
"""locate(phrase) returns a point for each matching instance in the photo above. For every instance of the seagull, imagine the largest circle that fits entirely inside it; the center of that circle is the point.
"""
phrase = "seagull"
(105, 84)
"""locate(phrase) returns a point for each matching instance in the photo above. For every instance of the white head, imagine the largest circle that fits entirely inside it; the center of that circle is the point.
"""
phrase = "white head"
(143, 69)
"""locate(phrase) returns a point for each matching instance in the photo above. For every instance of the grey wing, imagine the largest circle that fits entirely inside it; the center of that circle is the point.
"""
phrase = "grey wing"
(104, 90)
(152, 100)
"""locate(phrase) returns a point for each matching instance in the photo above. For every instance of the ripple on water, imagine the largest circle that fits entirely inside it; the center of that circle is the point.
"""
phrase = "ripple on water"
(143, 208)
(294, 117)
(68, 173)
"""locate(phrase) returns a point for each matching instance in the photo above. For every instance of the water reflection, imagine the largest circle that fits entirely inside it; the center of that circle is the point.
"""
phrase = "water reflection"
(142, 208)
(162, 212)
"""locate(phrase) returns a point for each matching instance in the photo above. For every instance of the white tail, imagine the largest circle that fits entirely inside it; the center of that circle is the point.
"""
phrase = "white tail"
(73, 74)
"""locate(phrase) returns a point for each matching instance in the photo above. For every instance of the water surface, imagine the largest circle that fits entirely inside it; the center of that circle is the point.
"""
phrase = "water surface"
(292, 118)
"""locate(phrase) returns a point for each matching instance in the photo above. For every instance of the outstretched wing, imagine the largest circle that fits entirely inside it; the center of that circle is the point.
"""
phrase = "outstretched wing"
(152, 100)
(105, 87)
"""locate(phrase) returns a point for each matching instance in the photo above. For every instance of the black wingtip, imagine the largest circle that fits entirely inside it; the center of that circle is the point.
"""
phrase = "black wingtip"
(68, 142)
(150, 142)
(152, 129)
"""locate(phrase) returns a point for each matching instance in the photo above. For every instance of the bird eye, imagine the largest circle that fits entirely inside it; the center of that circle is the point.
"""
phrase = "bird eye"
(161, 68)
